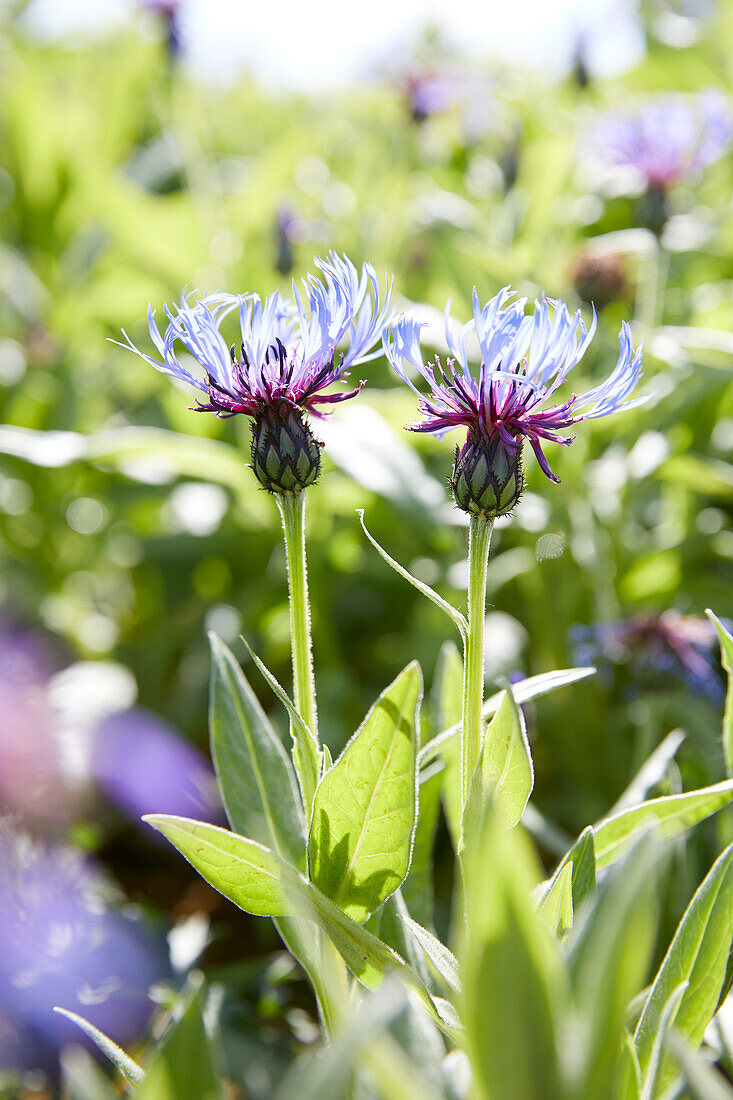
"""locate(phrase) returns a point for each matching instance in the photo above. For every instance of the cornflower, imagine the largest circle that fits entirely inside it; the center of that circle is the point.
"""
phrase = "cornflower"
(523, 359)
(285, 361)
(666, 139)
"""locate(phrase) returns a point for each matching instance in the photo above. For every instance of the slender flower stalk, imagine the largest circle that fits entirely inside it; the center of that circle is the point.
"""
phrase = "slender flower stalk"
(524, 358)
(479, 545)
(292, 512)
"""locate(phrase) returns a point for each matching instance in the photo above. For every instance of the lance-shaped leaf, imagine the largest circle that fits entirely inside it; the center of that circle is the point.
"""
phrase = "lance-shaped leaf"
(698, 955)
(531, 688)
(185, 1065)
(365, 807)
(726, 659)
(252, 876)
(258, 784)
(418, 886)
(262, 883)
(652, 1080)
(453, 613)
(449, 707)
(512, 973)
(556, 907)
(582, 859)
(504, 773)
(670, 815)
(305, 748)
(125, 1065)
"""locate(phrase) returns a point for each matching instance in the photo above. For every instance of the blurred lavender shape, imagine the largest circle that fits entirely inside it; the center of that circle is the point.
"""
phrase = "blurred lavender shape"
(32, 788)
(144, 766)
(64, 943)
(657, 647)
(667, 137)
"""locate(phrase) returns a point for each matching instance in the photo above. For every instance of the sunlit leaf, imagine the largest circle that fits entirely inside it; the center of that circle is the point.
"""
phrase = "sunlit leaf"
(364, 810)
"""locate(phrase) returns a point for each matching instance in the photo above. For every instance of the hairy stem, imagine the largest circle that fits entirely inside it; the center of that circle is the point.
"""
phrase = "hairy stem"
(307, 758)
(479, 543)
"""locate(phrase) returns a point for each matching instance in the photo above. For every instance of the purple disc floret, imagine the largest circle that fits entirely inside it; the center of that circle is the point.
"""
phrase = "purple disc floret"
(509, 397)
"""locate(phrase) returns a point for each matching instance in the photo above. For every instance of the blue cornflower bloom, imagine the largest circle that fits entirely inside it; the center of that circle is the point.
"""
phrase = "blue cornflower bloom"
(523, 359)
(286, 360)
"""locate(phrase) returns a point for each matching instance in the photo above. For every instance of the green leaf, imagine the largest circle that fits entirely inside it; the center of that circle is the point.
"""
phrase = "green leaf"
(703, 1081)
(442, 960)
(125, 1065)
(261, 882)
(556, 907)
(651, 772)
(666, 1019)
(671, 815)
(184, 1066)
(449, 690)
(417, 888)
(258, 784)
(531, 688)
(252, 876)
(582, 858)
(504, 773)
(726, 659)
(608, 957)
(453, 614)
(697, 955)
(629, 1072)
(364, 811)
(511, 972)
(305, 747)
(83, 1078)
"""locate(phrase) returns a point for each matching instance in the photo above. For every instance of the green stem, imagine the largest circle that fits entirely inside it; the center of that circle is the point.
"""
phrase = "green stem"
(307, 756)
(479, 543)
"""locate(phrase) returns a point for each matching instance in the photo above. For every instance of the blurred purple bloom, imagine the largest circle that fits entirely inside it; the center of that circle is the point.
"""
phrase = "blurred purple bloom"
(33, 788)
(668, 137)
(523, 359)
(63, 944)
(288, 351)
(144, 766)
(433, 92)
(671, 644)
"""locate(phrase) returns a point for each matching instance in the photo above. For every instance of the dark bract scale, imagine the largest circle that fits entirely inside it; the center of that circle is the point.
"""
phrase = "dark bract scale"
(286, 457)
(487, 477)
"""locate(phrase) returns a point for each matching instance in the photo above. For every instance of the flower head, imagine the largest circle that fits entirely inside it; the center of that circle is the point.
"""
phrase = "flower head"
(668, 137)
(658, 646)
(286, 359)
(523, 359)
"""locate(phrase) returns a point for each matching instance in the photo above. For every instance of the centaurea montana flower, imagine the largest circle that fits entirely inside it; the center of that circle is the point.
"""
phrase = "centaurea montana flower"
(665, 139)
(524, 358)
(658, 646)
(287, 359)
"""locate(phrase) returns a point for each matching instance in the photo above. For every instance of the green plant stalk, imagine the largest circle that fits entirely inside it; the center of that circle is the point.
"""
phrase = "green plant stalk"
(307, 757)
(479, 544)
(319, 957)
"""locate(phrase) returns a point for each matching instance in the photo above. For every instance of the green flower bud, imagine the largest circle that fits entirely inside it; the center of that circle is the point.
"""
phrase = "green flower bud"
(286, 456)
(487, 476)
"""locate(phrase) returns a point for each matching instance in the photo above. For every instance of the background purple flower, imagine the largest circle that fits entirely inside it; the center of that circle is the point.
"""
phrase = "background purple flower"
(144, 766)
(668, 137)
(657, 646)
(63, 943)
